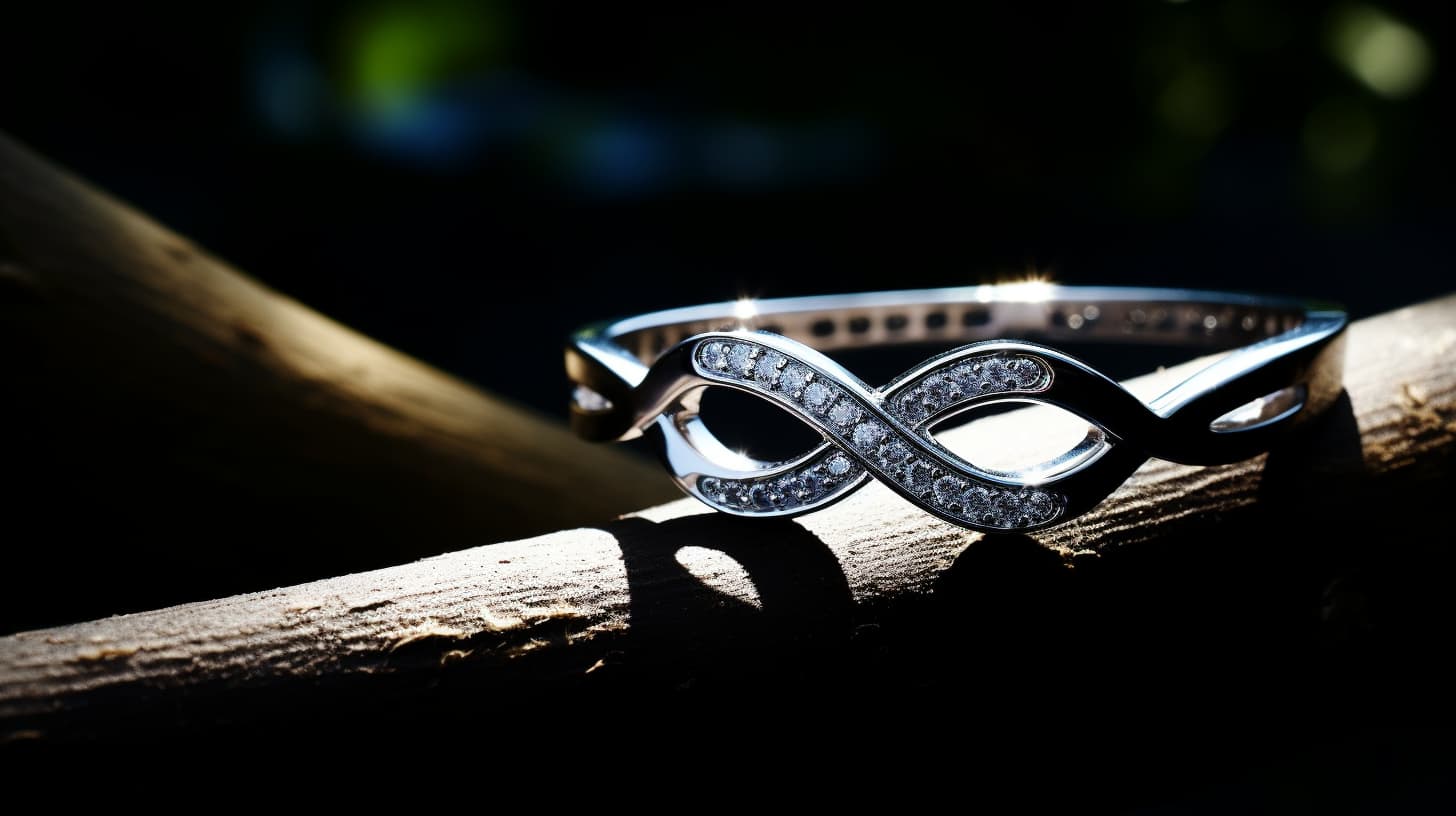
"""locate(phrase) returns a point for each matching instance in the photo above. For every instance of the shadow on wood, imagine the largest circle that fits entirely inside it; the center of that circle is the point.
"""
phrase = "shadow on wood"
(1247, 579)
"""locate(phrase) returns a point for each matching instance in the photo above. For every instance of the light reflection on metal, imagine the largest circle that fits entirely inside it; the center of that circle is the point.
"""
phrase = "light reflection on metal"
(887, 433)
(1030, 286)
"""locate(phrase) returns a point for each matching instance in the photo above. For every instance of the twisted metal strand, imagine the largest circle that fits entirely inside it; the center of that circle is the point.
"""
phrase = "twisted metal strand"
(880, 433)
(647, 374)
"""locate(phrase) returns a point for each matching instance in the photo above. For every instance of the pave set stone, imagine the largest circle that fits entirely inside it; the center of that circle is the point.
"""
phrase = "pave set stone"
(855, 426)
(947, 386)
(828, 473)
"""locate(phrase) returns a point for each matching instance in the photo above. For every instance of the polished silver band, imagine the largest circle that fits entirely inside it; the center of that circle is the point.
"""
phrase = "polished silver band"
(647, 374)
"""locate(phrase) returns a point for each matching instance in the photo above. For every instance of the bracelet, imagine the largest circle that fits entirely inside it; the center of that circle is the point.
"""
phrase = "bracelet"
(647, 375)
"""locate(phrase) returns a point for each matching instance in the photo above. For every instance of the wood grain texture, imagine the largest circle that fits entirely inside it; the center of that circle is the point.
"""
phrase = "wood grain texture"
(1184, 574)
(173, 393)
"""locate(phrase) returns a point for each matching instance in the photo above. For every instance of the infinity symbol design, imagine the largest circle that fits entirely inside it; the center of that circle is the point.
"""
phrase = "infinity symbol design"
(647, 375)
(879, 436)
(884, 433)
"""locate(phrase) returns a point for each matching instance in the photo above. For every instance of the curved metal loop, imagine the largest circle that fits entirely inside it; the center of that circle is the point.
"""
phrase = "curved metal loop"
(886, 433)
(1228, 411)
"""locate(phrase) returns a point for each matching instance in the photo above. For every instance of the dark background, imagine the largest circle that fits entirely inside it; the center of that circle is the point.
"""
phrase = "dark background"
(470, 181)
(460, 178)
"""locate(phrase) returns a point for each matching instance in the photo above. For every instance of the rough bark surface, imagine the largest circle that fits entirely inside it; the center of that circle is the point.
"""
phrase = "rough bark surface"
(1249, 563)
(152, 391)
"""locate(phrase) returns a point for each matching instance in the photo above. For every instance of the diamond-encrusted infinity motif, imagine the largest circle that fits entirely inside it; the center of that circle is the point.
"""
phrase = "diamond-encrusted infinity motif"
(883, 433)
(645, 375)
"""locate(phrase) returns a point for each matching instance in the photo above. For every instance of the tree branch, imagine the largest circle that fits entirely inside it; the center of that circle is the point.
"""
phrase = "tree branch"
(167, 393)
(1218, 570)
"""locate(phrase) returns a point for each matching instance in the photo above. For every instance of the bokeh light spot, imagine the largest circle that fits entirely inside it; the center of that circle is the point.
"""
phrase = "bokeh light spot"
(1340, 136)
(742, 155)
(1386, 55)
(623, 156)
(1196, 101)
(290, 95)
(399, 51)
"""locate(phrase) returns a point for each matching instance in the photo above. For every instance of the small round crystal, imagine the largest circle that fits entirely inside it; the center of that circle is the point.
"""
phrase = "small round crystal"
(844, 413)
(817, 396)
(867, 435)
(893, 453)
(714, 356)
(793, 378)
(912, 406)
(740, 359)
(919, 478)
(767, 372)
(948, 491)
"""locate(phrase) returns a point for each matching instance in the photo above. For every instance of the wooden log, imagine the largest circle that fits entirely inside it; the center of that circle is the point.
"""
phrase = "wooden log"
(151, 392)
(1182, 586)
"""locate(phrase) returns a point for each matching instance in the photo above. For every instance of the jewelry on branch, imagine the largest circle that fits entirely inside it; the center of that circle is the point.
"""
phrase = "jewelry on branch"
(647, 374)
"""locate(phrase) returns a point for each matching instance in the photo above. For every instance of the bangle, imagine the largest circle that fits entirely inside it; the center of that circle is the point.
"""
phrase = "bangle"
(646, 375)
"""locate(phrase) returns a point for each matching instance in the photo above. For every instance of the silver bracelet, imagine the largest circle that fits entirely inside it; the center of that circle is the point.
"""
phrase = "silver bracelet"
(647, 374)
